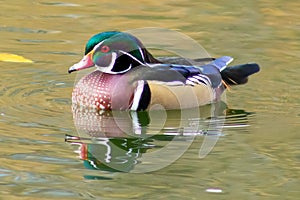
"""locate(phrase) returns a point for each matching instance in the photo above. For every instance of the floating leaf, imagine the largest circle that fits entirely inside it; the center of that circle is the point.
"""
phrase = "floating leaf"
(7, 57)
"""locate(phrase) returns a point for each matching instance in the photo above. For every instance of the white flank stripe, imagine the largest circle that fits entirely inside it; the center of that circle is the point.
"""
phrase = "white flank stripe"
(137, 95)
(203, 77)
(188, 82)
(194, 80)
(171, 83)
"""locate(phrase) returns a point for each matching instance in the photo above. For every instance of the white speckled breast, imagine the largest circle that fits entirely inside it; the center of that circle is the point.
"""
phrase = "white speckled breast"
(103, 91)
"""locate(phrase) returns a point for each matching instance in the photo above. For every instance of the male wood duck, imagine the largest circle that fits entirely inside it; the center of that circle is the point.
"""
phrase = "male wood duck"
(128, 77)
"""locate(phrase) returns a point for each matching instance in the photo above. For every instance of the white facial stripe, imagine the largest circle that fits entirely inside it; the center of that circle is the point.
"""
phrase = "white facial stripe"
(98, 45)
(108, 69)
(141, 52)
(134, 58)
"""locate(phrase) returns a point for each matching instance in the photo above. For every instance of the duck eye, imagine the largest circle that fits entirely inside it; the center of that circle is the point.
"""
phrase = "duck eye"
(105, 49)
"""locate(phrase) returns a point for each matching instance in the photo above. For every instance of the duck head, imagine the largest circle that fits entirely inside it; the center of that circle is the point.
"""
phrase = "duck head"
(113, 53)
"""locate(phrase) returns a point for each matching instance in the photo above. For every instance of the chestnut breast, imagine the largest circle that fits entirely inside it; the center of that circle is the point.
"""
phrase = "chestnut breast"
(104, 91)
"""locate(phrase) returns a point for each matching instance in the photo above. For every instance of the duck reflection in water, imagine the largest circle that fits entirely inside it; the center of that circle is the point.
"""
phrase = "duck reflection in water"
(115, 141)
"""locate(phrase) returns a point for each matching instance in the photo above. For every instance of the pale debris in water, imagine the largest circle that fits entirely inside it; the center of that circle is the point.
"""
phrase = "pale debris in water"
(214, 190)
(8, 57)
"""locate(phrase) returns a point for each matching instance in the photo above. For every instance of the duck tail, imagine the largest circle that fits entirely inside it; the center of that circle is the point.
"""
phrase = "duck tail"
(238, 74)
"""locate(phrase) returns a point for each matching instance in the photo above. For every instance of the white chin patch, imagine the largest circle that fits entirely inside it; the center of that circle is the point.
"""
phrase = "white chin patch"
(108, 69)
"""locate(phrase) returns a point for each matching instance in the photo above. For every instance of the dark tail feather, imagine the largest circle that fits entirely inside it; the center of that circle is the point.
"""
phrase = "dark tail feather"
(238, 74)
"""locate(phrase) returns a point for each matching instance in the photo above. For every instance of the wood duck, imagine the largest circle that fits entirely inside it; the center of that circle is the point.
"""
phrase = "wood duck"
(128, 77)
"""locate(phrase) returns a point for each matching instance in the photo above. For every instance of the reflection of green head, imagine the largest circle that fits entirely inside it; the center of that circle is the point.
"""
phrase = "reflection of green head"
(119, 154)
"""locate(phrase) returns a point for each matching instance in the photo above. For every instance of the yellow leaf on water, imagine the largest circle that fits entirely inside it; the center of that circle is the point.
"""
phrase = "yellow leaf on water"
(8, 57)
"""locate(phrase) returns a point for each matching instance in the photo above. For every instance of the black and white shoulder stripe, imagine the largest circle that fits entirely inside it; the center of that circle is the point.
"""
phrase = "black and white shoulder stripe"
(141, 97)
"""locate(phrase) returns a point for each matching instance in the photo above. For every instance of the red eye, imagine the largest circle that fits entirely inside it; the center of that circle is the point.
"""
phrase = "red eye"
(105, 49)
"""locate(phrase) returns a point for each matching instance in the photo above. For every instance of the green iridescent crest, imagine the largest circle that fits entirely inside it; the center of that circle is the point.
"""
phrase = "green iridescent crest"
(94, 40)
(116, 52)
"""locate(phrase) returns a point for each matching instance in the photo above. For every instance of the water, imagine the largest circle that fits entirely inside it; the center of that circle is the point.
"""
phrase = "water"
(257, 152)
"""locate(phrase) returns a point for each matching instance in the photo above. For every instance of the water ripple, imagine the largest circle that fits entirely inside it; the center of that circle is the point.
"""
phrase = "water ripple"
(52, 192)
(26, 30)
(60, 4)
(42, 158)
